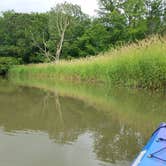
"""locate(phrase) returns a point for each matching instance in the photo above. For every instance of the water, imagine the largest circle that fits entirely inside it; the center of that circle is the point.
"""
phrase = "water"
(58, 124)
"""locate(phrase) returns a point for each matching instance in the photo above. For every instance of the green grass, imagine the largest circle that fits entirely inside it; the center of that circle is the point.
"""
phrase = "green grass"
(140, 65)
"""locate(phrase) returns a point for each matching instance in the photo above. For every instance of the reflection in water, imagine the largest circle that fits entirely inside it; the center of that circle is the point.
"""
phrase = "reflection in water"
(53, 98)
(54, 129)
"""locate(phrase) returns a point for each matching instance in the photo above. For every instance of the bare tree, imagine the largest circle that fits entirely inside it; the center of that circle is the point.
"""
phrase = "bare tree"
(61, 18)
(62, 23)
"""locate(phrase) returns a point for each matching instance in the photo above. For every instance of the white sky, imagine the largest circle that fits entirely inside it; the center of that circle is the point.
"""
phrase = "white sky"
(88, 6)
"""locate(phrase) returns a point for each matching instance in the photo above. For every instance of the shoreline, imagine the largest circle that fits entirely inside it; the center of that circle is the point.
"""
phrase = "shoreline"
(140, 65)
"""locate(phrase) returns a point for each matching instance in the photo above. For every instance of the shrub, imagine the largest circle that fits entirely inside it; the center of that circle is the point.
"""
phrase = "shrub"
(6, 63)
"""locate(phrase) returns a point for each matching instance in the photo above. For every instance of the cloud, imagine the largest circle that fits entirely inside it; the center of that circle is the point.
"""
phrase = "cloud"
(88, 6)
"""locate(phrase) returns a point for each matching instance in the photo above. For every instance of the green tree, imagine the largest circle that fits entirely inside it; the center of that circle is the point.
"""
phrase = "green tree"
(155, 11)
(128, 20)
(94, 40)
(15, 34)
(113, 17)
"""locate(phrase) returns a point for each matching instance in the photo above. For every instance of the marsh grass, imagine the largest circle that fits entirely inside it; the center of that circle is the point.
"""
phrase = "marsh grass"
(142, 64)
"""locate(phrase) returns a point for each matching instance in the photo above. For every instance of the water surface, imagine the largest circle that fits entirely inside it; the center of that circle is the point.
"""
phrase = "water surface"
(47, 123)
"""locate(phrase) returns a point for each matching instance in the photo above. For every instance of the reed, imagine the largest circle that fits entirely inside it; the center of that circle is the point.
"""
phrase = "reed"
(142, 64)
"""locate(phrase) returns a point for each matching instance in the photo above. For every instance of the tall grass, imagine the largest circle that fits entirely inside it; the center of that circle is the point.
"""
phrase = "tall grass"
(142, 64)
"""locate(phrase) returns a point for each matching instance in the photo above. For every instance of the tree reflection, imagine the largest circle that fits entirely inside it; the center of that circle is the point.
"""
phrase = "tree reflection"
(65, 119)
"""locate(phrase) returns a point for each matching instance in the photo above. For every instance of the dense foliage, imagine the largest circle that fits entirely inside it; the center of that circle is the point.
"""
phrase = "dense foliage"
(32, 38)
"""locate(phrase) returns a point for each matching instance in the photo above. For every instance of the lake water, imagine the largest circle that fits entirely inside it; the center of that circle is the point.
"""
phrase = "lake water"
(56, 124)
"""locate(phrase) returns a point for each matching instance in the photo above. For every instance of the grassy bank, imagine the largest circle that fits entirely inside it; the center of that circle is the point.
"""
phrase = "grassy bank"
(137, 65)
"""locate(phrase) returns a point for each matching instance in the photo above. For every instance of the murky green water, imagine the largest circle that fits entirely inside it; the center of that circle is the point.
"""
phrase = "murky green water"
(44, 123)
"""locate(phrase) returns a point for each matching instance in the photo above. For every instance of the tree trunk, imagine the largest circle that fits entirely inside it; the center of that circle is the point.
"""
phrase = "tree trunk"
(60, 43)
(59, 46)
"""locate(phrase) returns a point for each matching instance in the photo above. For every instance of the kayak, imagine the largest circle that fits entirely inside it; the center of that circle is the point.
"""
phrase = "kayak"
(154, 152)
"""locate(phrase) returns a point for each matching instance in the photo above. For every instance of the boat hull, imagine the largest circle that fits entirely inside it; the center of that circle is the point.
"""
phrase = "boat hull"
(154, 153)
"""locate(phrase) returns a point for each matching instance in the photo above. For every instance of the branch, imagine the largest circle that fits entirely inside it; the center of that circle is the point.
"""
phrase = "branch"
(57, 25)
(44, 50)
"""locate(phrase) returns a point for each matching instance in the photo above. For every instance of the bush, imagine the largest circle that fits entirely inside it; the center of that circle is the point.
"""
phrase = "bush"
(6, 63)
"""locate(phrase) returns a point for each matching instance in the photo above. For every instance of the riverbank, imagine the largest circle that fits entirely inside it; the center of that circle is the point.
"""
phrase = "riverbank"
(141, 65)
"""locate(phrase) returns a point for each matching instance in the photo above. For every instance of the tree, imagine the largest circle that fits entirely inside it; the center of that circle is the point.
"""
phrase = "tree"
(129, 20)
(164, 19)
(94, 40)
(16, 37)
(112, 16)
(135, 11)
(155, 9)
(62, 17)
